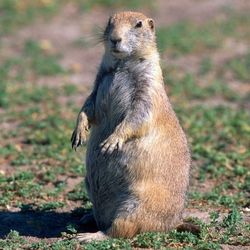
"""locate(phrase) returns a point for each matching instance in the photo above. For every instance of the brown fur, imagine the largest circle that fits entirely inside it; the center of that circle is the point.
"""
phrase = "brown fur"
(137, 156)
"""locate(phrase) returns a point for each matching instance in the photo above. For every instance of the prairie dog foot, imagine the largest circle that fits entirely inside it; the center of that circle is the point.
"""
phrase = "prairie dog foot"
(88, 237)
(79, 134)
(111, 143)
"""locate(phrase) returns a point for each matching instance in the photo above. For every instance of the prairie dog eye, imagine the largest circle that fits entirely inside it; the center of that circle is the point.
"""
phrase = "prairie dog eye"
(138, 24)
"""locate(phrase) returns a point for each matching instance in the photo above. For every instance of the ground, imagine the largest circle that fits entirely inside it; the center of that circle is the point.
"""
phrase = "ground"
(49, 53)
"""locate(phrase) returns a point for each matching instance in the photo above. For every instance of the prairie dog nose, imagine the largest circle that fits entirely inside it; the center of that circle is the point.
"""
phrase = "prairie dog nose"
(116, 40)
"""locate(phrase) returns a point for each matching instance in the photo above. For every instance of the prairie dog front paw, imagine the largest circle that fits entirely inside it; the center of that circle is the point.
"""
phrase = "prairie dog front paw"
(112, 143)
(79, 135)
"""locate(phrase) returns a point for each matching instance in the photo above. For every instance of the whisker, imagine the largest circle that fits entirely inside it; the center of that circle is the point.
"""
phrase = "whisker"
(99, 35)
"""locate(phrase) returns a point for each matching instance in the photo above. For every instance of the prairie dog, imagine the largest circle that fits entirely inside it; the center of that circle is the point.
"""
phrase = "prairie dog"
(137, 158)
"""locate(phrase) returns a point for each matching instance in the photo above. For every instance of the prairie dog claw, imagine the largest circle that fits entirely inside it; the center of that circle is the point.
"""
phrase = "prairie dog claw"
(110, 144)
(79, 135)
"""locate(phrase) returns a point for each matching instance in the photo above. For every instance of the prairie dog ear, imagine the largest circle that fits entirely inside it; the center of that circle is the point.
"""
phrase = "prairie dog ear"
(151, 24)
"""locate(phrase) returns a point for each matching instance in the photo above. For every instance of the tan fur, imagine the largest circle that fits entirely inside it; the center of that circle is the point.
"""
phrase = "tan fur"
(138, 178)
(123, 228)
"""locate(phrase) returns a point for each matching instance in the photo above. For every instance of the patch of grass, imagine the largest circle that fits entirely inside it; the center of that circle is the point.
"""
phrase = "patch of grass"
(45, 145)
(209, 238)
(187, 88)
(241, 67)
(219, 144)
(41, 62)
(79, 193)
(3, 95)
(205, 66)
(18, 187)
(15, 241)
(4, 80)
(236, 25)
(34, 62)
(132, 4)
(12, 241)
(51, 205)
(70, 89)
(185, 37)
(15, 13)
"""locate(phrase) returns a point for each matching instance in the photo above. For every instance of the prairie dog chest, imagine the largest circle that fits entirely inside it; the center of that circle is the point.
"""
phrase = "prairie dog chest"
(114, 94)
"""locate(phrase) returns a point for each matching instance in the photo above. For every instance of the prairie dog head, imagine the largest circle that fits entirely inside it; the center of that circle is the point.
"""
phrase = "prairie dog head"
(129, 33)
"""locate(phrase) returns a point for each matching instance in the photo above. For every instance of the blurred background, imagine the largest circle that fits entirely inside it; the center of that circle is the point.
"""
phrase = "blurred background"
(48, 60)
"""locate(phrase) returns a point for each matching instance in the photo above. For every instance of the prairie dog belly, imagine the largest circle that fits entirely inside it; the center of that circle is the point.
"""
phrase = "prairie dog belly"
(109, 182)
(121, 168)
(115, 179)
(113, 99)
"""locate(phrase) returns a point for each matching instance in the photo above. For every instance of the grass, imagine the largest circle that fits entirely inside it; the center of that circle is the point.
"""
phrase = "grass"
(232, 231)
(41, 174)
(15, 13)
(185, 37)
(187, 88)
(240, 67)
(40, 62)
(132, 4)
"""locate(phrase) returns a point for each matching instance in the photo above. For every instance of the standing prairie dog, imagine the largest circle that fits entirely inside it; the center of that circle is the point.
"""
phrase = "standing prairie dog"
(137, 156)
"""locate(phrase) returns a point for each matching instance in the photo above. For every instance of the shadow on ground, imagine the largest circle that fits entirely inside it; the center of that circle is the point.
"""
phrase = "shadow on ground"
(41, 224)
